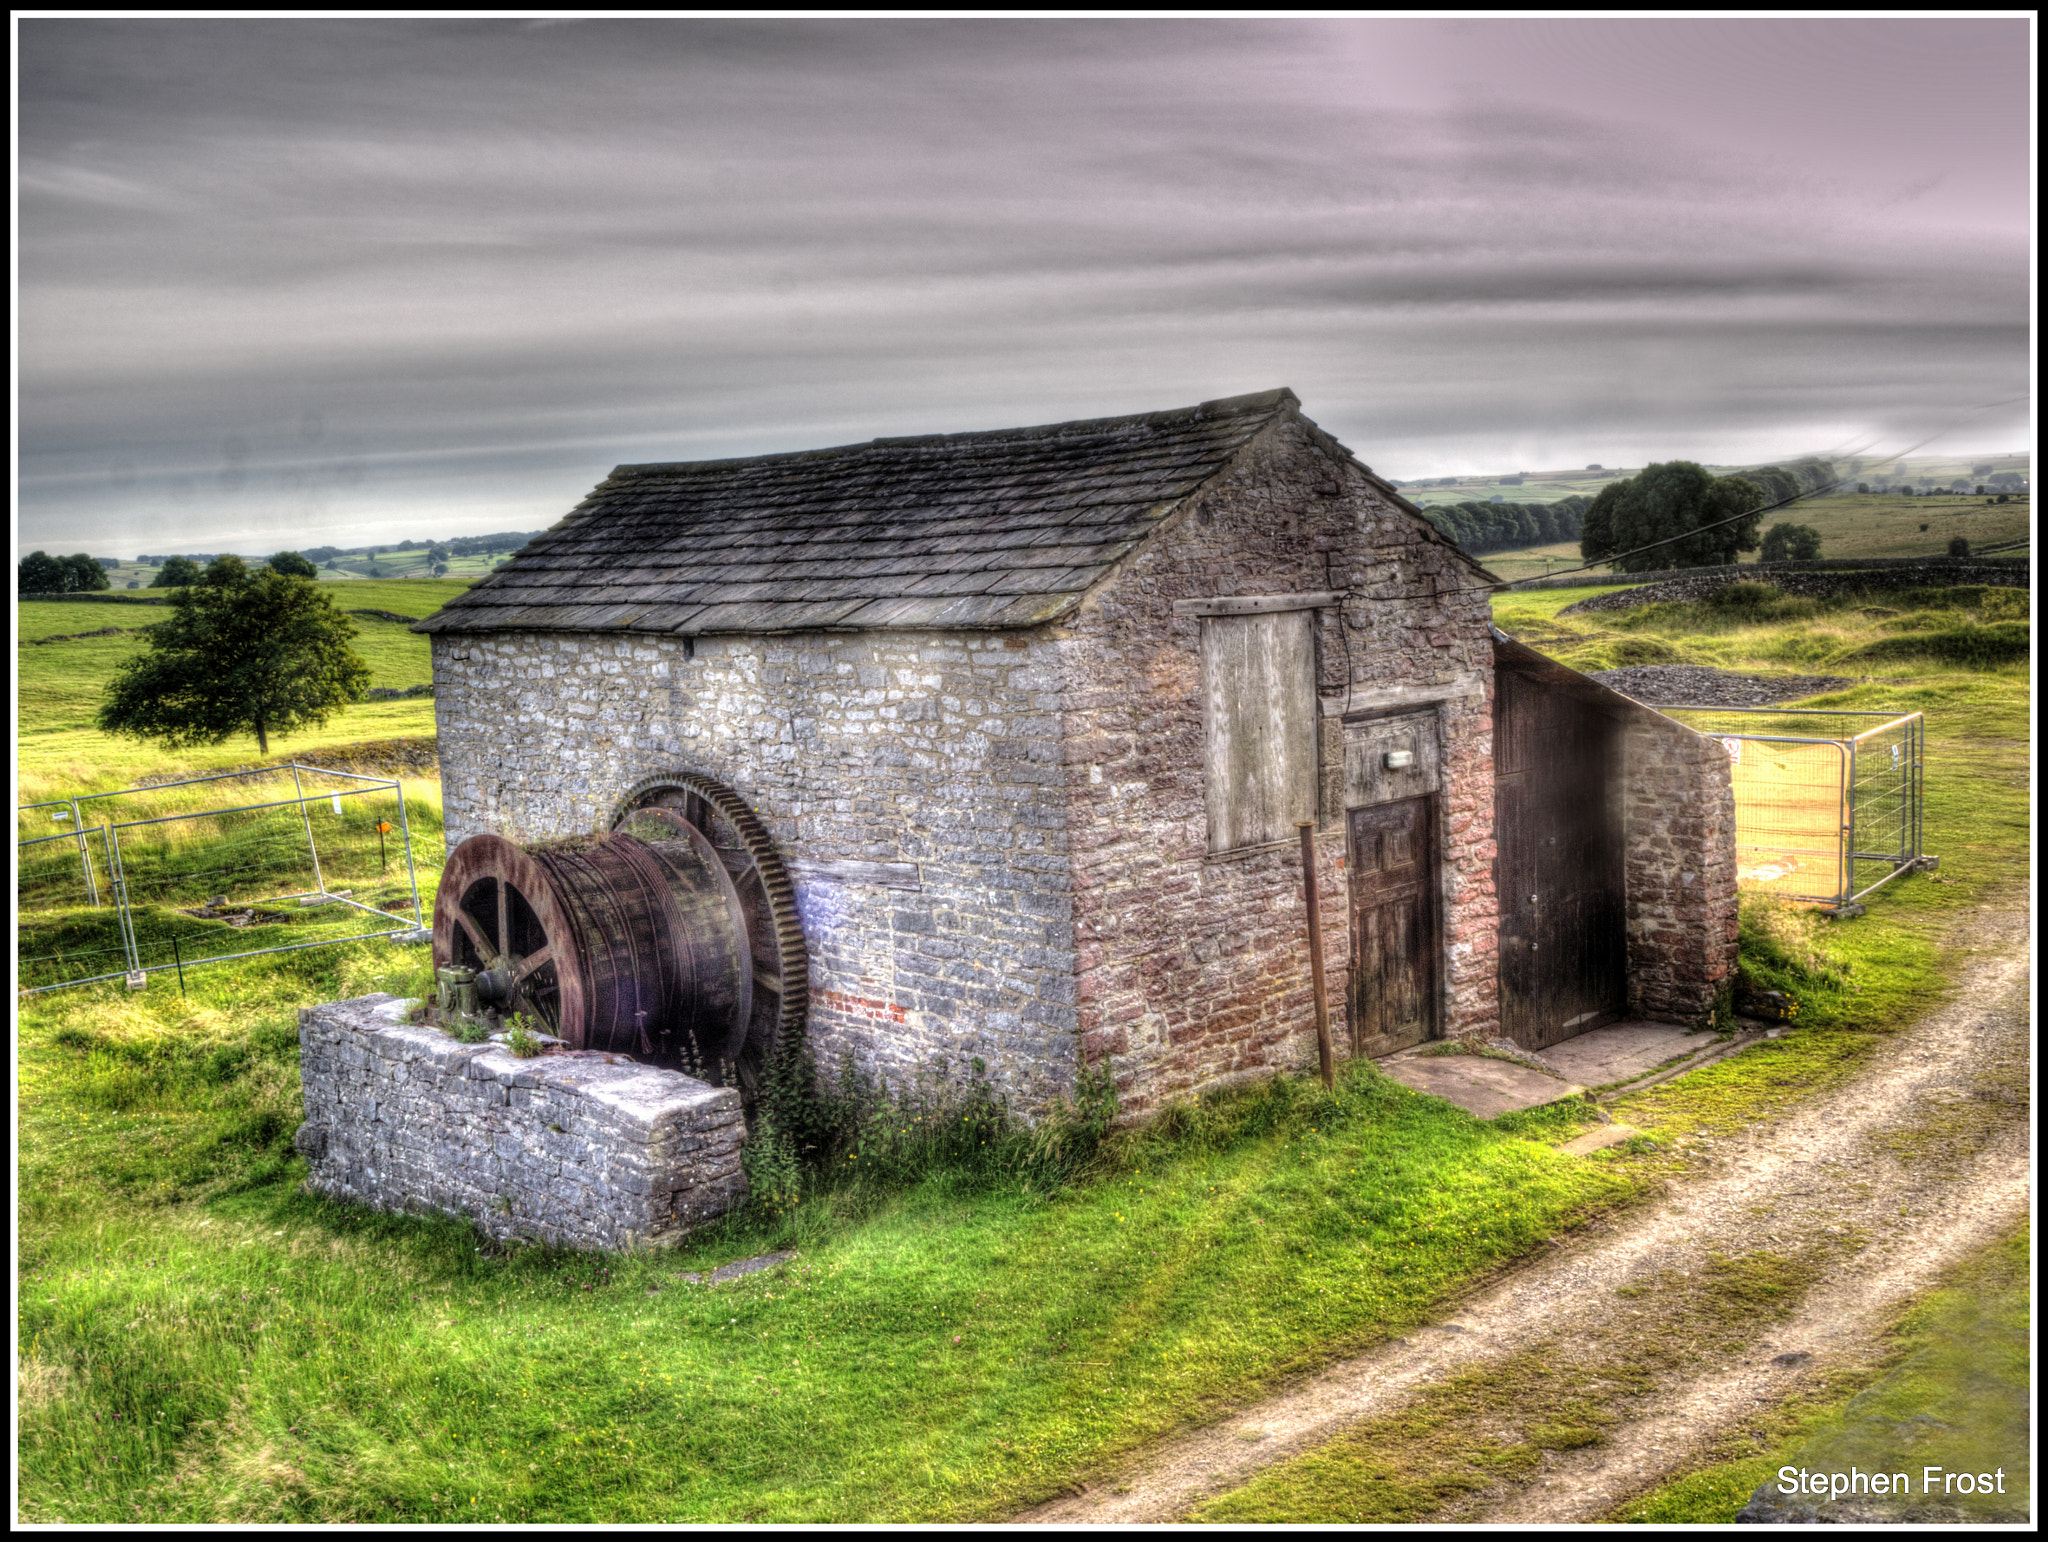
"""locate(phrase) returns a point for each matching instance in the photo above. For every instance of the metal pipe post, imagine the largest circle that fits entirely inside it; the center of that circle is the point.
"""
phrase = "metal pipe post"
(1315, 950)
(319, 882)
(84, 855)
(117, 875)
(411, 873)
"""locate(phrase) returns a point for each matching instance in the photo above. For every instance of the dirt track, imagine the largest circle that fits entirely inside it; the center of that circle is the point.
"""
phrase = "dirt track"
(1921, 1158)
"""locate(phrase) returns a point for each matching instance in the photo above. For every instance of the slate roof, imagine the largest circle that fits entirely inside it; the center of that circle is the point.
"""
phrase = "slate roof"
(978, 530)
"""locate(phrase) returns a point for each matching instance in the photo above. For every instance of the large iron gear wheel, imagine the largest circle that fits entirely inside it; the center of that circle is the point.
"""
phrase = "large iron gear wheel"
(766, 898)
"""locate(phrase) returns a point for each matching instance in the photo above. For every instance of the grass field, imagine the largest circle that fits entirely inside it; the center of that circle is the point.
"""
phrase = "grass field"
(202, 1342)
(58, 751)
(1549, 486)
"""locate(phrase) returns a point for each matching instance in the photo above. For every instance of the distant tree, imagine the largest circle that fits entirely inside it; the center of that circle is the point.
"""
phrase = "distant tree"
(1595, 466)
(1980, 490)
(1983, 470)
(292, 562)
(135, 583)
(176, 573)
(108, 562)
(375, 571)
(242, 652)
(407, 545)
(1797, 543)
(1672, 504)
(1958, 546)
(1863, 487)
(2002, 498)
(225, 571)
(440, 570)
(40, 573)
(437, 554)
(85, 573)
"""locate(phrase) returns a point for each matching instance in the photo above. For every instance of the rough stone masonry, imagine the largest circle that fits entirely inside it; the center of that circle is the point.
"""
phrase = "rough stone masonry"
(585, 1151)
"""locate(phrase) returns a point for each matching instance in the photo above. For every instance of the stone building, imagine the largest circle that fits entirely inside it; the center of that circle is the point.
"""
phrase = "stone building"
(1033, 716)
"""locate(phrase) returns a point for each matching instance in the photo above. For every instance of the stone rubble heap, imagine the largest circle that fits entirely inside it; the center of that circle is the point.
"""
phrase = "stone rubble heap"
(1695, 685)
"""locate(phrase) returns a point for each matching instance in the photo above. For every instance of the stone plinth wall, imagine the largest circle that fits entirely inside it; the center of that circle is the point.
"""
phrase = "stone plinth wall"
(1679, 866)
(576, 1150)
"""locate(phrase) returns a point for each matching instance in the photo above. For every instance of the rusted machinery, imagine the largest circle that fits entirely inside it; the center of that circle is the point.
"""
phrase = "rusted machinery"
(673, 938)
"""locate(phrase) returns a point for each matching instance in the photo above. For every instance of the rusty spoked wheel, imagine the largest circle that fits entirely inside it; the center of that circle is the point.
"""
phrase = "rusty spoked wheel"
(715, 821)
(496, 912)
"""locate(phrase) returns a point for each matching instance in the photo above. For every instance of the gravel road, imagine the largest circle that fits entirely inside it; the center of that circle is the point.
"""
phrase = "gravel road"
(1920, 1159)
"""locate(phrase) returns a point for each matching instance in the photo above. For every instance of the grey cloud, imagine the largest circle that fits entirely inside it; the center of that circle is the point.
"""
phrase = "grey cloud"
(494, 258)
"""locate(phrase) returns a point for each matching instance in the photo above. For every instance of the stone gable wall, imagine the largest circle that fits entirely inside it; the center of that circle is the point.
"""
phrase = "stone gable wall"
(857, 750)
(574, 1150)
(1193, 969)
(1678, 819)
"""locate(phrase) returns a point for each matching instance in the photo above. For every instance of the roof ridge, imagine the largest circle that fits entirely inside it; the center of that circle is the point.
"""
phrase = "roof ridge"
(1219, 407)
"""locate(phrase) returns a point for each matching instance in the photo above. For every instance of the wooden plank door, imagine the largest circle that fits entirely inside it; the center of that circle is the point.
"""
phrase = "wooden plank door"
(1557, 828)
(1394, 928)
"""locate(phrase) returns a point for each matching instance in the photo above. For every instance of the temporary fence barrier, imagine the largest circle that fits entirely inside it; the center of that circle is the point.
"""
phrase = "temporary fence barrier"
(142, 869)
(1824, 819)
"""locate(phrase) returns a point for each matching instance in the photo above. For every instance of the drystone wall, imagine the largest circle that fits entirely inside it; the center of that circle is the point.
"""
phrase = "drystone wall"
(578, 1150)
(1678, 820)
(1192, 968)
(912, 781)
(1810, 585)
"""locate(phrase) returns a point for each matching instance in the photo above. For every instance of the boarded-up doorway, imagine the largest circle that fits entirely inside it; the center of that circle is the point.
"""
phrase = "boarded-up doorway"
(1393, 925)
(1559, 875)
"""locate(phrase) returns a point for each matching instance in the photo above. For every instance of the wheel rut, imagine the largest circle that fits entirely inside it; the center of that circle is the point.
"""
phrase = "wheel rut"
(1872, 1190)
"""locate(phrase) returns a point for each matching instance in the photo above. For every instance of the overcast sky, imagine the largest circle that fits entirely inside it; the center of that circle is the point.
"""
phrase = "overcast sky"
(294, 283)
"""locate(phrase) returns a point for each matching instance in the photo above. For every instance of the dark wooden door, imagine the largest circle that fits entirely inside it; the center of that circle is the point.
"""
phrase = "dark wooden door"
(1393, 925)
(1557, 831)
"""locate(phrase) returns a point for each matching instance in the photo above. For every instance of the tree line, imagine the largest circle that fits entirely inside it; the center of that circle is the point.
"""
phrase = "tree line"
(320, 556)
(41, 573)
(1483, 527)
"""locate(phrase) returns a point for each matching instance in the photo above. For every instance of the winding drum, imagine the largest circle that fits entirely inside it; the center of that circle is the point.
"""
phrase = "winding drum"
(673, 938)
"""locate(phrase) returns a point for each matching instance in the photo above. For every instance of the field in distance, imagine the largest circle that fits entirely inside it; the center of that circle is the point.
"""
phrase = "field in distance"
(1549, 486)
(1850, 525)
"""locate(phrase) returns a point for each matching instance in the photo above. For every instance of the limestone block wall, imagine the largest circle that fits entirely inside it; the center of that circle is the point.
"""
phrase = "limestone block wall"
(913, 782)
(580, 1150)
(1192, 970)
(1678, 821)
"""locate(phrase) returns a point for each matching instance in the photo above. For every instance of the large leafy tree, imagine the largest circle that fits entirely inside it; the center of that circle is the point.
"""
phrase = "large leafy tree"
(291, 562)
(41, 573)
(176, 573)
(1679, 499)
(262, 653)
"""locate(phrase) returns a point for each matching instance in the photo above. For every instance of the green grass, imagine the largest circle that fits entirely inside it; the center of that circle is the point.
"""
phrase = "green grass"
(212, 1345)
(202, 1342)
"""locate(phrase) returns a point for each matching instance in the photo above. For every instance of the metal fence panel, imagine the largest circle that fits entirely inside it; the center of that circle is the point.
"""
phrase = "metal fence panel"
(310, 860)
(1821, 818)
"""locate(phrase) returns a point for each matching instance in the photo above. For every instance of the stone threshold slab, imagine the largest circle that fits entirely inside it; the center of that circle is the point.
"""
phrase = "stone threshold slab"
(1484, 1087)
